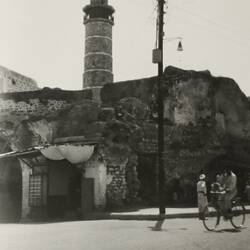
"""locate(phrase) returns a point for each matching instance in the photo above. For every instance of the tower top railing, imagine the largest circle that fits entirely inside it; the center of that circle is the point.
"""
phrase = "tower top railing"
(99, 9)
(99, 2)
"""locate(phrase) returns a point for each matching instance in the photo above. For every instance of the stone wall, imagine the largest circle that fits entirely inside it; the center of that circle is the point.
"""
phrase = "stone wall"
(98, 171)
(204, 116)
(132, 180)
(32, 107)
(117, 187)
(11, 81)
(40, 103)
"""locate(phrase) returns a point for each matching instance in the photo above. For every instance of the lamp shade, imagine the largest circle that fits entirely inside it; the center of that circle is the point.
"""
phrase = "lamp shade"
(180, 47)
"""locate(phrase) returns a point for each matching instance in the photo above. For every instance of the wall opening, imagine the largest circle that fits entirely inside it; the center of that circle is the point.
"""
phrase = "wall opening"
(147, 176)
(10, 190)
(64, 190)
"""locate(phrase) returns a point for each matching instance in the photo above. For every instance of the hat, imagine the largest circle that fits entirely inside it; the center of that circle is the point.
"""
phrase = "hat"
(202, 177)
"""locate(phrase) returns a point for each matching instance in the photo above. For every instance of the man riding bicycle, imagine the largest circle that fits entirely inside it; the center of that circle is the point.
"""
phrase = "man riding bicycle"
(223, 203)
(229, 185)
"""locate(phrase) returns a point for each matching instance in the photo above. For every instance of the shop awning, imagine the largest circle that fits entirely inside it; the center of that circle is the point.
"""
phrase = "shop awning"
(22, 154)
(75, 152)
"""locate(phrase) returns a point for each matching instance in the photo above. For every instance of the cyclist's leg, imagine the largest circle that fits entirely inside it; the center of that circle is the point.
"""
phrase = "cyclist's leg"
(228, 204)
(220, 203)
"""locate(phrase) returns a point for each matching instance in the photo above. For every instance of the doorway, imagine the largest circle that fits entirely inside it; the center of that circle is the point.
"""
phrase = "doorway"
(147, 176)
(10, 190)
(64, 190)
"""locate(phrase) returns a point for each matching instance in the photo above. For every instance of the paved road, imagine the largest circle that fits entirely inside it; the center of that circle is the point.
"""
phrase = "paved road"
(183, 234)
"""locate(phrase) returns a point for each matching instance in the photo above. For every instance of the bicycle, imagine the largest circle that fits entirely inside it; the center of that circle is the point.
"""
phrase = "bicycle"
(213, 213)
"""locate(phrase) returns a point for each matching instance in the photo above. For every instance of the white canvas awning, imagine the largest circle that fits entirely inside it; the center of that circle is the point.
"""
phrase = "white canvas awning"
(52, 153)
(75, 149)
(73, 153)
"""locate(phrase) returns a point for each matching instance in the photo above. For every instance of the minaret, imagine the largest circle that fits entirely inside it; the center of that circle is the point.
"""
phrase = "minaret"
(98, 63)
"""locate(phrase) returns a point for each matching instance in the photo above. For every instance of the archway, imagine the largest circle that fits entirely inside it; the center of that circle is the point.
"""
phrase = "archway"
(147, 174)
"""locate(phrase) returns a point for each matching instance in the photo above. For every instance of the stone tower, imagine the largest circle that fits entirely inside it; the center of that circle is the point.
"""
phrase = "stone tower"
(98, 63)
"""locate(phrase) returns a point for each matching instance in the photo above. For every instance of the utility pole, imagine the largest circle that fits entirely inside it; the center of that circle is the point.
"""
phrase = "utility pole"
(161, 171)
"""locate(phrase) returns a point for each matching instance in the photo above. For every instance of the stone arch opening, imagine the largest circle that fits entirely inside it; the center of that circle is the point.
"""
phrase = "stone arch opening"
(147, 176)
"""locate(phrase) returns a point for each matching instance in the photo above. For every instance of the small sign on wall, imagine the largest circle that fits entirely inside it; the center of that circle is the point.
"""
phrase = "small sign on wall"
(157, 56)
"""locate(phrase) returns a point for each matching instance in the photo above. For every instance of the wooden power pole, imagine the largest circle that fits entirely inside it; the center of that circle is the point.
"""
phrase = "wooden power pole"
(161, 171)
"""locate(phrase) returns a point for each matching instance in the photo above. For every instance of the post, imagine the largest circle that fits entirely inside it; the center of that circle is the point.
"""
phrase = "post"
(161, 172)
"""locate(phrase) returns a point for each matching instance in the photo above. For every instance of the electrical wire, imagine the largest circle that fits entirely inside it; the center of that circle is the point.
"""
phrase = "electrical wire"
(232, 38)
(212, 21)
(218, 25)
(217, 33)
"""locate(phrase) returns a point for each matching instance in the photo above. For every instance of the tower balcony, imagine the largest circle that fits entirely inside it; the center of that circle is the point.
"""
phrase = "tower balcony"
(98, 11)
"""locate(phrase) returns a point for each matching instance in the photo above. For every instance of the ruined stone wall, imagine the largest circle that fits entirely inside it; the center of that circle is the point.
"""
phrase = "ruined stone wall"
(98, 171)
(202, 114)
(11, 81)
(132, 180)
(117, 187)
(32, 107)
(39, 103)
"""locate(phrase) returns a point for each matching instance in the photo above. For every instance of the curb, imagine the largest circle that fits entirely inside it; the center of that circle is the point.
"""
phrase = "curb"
(101, 216)
(152, 217)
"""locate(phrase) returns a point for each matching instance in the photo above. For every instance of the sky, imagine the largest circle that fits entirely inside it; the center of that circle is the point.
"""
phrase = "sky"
(44, 39)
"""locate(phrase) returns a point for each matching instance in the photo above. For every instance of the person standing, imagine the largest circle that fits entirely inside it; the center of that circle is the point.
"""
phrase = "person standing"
(247, 189)
(202, 196)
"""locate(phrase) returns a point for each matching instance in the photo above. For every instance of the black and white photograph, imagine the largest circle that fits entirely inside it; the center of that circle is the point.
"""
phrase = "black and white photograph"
(124, 124)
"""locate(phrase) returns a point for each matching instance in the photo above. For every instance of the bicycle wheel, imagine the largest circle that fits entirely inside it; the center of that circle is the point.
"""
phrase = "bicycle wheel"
(238, 215)
(212, 218)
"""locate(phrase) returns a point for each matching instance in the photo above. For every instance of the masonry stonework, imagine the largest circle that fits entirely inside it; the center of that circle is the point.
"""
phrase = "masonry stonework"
(206, 123)
(98, 61)
(33, 107)
(117, 187)
(11, 81)
(98, 171)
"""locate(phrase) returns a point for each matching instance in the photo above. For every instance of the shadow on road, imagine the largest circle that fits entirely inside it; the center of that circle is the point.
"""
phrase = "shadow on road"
(227, 230)
(158, 225)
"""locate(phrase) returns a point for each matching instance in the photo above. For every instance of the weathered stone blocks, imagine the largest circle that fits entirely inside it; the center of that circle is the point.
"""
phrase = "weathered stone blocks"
(98, 61)
(98, 28)
(116, 189)
(98, 44)
(97, 78)
(98, 66)
(11, 81)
